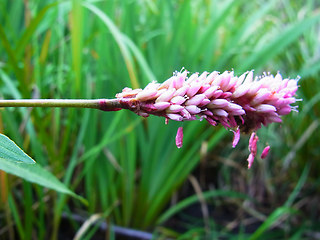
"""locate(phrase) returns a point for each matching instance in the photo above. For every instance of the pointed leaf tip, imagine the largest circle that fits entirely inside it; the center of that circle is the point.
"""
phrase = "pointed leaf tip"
(11, 152)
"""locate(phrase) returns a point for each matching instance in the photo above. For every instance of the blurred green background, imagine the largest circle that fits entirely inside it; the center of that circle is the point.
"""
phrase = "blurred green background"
(128, 168)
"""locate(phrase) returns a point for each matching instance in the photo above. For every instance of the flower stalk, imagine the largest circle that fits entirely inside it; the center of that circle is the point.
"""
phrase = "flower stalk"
(101, 104)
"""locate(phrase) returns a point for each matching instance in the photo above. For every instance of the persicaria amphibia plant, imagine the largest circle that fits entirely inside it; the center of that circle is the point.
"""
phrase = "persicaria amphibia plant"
(242, 104)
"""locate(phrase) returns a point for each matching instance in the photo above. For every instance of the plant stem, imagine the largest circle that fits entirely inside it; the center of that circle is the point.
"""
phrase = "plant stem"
(102, 104)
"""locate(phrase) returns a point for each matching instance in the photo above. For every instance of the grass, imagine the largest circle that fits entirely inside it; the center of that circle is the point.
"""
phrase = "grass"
(130, 168)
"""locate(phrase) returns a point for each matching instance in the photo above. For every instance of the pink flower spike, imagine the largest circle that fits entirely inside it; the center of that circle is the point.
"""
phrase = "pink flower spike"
(265, 152)
(242, 104)
(236, 138)
(179, 137)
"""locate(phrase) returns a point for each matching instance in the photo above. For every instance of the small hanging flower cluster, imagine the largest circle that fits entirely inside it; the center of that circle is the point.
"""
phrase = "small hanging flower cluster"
(242, 104)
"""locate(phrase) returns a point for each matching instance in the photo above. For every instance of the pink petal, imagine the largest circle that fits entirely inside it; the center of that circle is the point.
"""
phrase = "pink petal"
(265, 108)
(175, 116)
(178, 100)
(220, 112)
(193, 109)
(265, 152)
(217, 94)
(233, 107)
(192, 78)
(250, 160)
(179, 137)
(179, 80)
(181, 91)
(196, 99)
(161, 105)
(284, 111)
(174, 109)
(210, 92)
(211, 77)
(225, 80)
(211, 121)
(166, 96)
(194, 88)
(261, 95)
(249, 78)
(240, 91)
(204, 102)
(236, 138)
(218, 103)
(274, 119)
(253, 143)
(186, 115)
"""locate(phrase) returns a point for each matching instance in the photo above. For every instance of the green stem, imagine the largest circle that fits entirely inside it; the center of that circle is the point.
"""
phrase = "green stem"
(102, 104)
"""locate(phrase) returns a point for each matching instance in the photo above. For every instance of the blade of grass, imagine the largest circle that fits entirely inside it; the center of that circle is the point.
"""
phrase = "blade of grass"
(69, 171)
(16, 217)
(297, 189)
(273, 219)
(117, 35)
(243, 33)
(141, 59)
(194, 199)
(174, 177)
(28, 214)
(30, 30)
(11, 55)
(76, 43)
(109, 137)
(216, 21)
(276, 45)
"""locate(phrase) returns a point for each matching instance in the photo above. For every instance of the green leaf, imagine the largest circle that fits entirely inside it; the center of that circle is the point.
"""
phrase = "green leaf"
(36, 174)
(9, 151)
(14, 161)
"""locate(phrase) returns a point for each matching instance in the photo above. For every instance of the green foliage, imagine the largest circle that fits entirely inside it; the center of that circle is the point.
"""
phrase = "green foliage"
(9, 151)
(36, 174)
(93, 49)
(13, 160)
